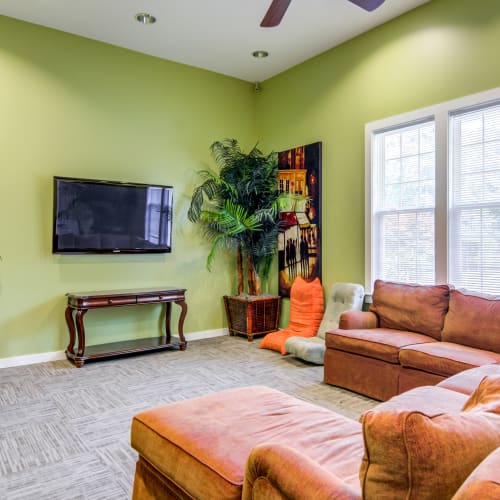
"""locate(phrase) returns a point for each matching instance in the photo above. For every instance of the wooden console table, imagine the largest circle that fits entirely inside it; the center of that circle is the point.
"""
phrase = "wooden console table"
(82, 302)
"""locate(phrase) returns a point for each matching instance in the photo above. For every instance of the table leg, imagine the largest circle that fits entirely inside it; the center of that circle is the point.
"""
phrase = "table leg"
(80, 328)
(183, 306)
(68, 314)
(168, 317)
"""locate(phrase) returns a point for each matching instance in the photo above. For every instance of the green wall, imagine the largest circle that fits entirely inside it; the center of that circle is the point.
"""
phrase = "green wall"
(79, 108)
(71, 106)
(440, 51)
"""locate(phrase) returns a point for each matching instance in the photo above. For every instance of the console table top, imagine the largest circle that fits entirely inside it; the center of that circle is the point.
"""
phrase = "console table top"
(129, 291)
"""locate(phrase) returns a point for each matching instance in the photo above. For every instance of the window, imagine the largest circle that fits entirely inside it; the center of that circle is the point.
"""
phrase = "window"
(475, 199)
(433, 195)
(404, 203)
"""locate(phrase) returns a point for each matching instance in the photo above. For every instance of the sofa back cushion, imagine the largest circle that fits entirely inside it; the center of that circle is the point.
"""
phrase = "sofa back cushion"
(418, 456)
(473, 320)
(414, 308)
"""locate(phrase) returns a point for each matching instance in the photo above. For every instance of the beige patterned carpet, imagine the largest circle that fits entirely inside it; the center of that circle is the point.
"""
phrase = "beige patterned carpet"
(64, 432)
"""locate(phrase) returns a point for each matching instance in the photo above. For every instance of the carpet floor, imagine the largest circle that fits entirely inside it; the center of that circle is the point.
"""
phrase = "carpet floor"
(65, 431)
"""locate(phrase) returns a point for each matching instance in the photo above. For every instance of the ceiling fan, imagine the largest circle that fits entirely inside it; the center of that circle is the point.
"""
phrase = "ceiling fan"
(277, 10)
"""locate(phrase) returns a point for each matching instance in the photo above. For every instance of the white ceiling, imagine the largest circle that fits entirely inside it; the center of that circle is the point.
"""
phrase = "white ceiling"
(218, 35)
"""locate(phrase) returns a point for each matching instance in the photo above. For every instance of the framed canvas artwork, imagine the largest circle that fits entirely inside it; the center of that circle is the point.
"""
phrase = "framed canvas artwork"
(299, 240)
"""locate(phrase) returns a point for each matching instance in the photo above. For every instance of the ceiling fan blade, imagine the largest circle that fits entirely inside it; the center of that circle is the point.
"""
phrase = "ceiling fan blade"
(275, 13)
(368, 5)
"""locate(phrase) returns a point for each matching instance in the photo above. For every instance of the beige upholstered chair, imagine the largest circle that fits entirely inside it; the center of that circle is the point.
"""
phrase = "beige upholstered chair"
(342, 297)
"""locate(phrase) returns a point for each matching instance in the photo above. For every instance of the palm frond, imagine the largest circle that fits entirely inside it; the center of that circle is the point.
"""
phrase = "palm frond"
(239, 206)
(217, 241)
(231, 219)
(213, 190)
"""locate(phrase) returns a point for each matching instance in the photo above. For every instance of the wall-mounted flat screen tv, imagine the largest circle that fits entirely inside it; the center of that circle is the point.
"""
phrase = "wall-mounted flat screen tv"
(94, 216)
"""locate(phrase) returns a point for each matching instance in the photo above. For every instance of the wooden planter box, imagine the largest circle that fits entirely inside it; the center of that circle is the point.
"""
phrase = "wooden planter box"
(252, 314)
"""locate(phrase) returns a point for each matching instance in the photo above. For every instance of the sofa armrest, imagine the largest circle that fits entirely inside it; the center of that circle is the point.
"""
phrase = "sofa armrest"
(277, 471)
(358, 320)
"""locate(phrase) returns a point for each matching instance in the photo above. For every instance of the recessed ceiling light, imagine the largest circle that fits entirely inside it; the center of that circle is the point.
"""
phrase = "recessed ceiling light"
(145, 18)
(260, 54)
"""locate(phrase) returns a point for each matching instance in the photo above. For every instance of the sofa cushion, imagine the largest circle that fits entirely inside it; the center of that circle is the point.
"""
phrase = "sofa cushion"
(444, 358)
(484, 482)
(473, 321)
(414, 308)
(378, 343)
(202, 444)
(430, 400)
(467, 381)
(424, 457)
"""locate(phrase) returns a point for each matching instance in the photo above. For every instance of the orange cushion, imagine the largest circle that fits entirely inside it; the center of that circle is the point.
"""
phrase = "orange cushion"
(306, 313)
(414, 455)
(306, 307)
(414, 308)
(275, 341)
(473, 321)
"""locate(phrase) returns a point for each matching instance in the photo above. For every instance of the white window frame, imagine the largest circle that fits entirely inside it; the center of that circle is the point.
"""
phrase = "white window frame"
(440, 113)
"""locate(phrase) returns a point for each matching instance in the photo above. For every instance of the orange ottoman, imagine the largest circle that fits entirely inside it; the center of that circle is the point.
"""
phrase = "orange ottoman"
(198, 448)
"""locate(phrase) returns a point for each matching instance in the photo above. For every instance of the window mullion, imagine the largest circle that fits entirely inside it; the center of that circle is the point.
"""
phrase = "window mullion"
(441, 208)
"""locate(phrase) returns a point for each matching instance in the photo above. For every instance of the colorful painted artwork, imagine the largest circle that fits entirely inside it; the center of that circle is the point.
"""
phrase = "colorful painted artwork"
(299, 241)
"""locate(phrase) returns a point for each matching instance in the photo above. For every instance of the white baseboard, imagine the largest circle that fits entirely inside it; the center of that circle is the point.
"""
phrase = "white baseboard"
(43, 357)
(30, 359)
(206, 334)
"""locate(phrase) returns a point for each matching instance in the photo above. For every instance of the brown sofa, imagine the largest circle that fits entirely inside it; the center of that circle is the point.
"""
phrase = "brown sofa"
(413, 335)
(257, 443)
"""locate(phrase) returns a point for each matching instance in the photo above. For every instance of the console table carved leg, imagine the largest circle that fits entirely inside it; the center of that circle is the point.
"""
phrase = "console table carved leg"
(80, 328)
(168, 316)
(183, 306)
(68, 314)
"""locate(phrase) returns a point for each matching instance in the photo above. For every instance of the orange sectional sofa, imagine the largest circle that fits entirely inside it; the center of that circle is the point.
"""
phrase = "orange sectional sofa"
(431, 443)
(413, 335)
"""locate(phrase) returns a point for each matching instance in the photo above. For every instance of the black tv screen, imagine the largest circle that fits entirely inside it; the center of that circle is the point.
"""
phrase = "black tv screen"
(93, 216)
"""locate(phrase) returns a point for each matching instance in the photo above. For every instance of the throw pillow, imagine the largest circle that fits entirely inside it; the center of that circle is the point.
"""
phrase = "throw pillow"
(486, 397)
(416, 456)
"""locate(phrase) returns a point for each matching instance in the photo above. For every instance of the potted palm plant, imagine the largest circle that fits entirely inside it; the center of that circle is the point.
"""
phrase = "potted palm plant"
(238, 208)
